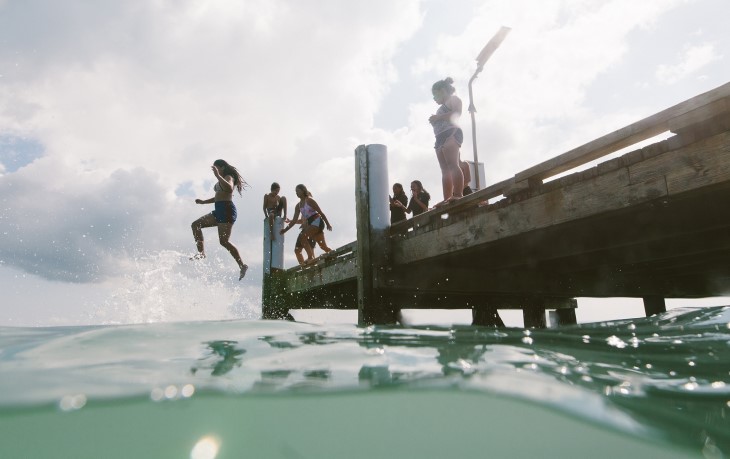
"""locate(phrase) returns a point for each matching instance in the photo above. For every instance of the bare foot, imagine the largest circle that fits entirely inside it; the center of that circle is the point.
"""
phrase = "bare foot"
(448, 201)
(198, 256)
(244, 268)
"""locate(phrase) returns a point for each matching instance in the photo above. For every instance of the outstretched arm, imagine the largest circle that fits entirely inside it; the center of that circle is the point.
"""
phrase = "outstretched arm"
(293, 220)
(205, 201)
(315, 206)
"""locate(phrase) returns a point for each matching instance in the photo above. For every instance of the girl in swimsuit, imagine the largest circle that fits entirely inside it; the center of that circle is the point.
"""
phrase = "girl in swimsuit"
(224, 215)
(449, 138)
(313, 224)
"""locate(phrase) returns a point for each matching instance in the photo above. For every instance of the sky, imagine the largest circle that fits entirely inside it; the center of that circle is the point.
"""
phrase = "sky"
(111, 114)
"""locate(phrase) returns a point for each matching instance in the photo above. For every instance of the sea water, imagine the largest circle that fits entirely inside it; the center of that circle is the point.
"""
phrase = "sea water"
(650, 387)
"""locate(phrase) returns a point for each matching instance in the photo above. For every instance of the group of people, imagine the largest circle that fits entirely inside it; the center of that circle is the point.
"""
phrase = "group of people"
(307, 213)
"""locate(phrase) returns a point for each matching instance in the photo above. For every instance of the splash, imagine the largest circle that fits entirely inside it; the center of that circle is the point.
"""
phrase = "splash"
(167, 287)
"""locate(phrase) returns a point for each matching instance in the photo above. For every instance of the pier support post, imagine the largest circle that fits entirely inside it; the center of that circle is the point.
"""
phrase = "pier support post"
(534, 315)
(373, 220)
(487, 316)
(273, 297)
(654, 305)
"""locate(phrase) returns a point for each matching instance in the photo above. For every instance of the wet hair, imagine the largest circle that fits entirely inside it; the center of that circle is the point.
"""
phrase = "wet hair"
(304, 189)
(275, 186)
(226, 169)
(447, 84)
(420, 187)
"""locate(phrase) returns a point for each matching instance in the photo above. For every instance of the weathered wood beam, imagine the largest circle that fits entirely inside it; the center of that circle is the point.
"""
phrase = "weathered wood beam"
(683, 114)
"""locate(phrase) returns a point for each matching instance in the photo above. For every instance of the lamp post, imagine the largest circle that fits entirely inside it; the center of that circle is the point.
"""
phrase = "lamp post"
(486, 53)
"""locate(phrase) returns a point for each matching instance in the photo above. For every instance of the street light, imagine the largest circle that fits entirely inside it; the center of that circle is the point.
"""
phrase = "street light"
(486, 53)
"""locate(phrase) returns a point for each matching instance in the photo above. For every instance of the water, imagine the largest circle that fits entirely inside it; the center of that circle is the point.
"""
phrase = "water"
(655, 387)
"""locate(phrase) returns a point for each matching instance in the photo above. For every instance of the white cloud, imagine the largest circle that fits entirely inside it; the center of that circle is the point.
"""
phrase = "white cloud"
(693, 59)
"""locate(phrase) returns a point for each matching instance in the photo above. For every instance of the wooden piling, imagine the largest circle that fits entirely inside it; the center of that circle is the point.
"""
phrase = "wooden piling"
(372, 214)
(654, 305)
(273, 297)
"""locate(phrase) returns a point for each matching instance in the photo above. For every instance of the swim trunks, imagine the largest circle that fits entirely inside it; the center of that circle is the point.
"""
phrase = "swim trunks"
(225, 212)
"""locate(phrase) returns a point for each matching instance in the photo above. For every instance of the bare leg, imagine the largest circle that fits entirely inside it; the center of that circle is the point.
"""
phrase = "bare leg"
(464, 166)
(319, 239)
(447, 183)
(271, 227)
(206, 221)
(304, 242)
(451, 155)
(224, 232)
(298, 254)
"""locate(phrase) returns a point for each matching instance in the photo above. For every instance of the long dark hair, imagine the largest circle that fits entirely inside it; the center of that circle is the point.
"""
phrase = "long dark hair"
(420, 187)
(226, 169)
(447, 84)
(304, 188)
(402, 191)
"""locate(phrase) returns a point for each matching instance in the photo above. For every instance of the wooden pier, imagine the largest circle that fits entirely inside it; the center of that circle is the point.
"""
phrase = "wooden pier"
(653, 223)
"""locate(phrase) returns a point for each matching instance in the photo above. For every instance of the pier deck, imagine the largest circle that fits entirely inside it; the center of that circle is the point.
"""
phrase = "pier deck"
(652, 223)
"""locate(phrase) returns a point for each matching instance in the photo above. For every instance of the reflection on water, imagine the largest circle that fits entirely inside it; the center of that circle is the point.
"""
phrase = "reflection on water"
(223, 358)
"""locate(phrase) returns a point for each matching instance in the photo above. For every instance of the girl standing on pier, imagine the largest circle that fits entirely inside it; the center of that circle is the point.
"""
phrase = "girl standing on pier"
(449, 138)
(419, 199)
(224, 214)
(313, 224)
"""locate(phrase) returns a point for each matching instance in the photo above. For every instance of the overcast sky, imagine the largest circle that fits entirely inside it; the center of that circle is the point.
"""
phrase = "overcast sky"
(111, 114)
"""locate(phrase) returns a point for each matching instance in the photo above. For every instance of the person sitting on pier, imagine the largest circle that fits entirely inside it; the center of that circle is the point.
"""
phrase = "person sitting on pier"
(398, 204)
(449, 138)
(274, 206)
(419, 199)
(313, 224)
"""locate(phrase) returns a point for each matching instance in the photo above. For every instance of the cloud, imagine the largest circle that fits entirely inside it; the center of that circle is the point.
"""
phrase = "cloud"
(79, 228)
(693, 59)
(134, 100)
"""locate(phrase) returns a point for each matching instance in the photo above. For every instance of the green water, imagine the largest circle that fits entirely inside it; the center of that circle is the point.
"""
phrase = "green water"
(657, 387)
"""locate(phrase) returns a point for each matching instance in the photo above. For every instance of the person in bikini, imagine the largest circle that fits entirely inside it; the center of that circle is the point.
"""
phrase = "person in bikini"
(449, 138)
(313, 223)
(273, 207)
(224, 214)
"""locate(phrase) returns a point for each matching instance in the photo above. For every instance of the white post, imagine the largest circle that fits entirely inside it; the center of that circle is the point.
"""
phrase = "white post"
(273, 248)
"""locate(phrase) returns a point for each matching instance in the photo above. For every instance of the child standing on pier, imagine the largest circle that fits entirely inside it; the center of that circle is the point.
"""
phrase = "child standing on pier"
(398, 204)
(419, 199)
(313, 224)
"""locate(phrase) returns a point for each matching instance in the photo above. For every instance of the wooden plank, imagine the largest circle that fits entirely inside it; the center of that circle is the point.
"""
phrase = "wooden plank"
(700, 114)
(700, 164)
(342, 270)
(605, 193)
(624, 137)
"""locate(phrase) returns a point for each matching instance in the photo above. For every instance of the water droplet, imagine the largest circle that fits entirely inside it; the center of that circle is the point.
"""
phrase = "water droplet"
(72, 402)
(615, 341)
(527, 340)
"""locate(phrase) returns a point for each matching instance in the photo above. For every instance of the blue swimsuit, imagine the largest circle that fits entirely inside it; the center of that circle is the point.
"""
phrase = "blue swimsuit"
(225, 212)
